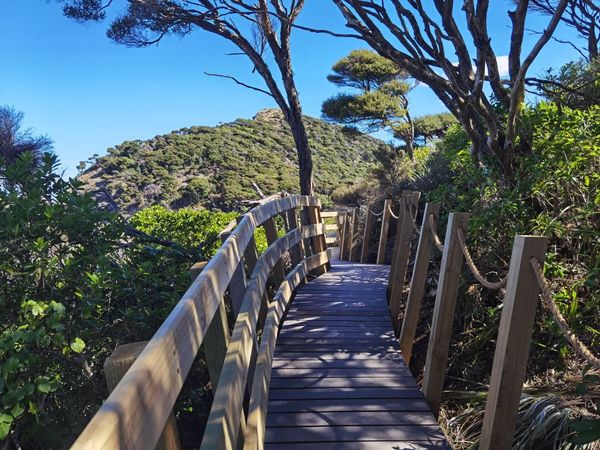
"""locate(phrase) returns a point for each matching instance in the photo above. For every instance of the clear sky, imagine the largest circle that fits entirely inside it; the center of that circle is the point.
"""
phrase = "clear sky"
(88, 93)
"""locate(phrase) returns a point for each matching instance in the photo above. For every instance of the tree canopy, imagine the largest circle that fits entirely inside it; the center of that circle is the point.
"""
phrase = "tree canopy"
(15, 141)
(427, 42)
(261, 30)
(381, 100)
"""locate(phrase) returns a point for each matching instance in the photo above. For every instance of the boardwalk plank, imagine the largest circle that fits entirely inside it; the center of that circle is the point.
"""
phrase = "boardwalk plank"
(314, 419)
(338, 379)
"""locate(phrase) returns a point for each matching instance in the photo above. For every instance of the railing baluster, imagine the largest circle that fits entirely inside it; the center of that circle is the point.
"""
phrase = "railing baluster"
(351, 230)
(237, 285)
(342, 218)
(296, 252)
(443, 313)
(115, 366)
(402, 247)
(512, 347)
(383, 235)
(369, 222)
(417, 283)
(271, 233)
(318, 242)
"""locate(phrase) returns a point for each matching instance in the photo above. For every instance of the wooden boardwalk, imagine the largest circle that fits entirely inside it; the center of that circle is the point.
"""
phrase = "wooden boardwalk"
(338, 379)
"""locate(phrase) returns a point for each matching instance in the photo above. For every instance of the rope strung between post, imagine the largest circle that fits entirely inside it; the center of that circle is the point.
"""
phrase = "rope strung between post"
(548, 301)
(436, 239)
(474, 270)
(413, 221)
(392, 212)
(376, 214)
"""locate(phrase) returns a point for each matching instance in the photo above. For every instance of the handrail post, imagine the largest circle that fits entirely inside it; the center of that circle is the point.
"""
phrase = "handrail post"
(296, 250)
(369, 222)
(443, 313)
(318, 242)
(342, 218)
(383, 236)
(417, 283)
(271, 234)
(350, 237)
(512, 347)
(115, 367)
(216, 339)
(402, 247)
(237, 284)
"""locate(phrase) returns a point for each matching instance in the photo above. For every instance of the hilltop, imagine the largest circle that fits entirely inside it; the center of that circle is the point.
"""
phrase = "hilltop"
(214, 167)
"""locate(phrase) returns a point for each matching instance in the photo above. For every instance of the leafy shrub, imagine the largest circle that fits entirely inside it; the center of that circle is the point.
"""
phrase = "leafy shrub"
(191, 228)
(72, 287)
(556, 194)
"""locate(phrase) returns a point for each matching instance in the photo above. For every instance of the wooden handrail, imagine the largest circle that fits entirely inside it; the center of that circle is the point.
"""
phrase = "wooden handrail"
(223, 428)
(135, 413)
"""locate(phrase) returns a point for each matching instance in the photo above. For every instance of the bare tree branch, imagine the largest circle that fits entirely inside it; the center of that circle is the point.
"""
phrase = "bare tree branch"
(254, 88)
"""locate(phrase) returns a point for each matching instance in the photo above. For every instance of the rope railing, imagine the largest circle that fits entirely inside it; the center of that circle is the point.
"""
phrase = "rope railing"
(413, 221)
(471, 264)
(548, 301)
(392, 213)
(376, 214)
(436, 239)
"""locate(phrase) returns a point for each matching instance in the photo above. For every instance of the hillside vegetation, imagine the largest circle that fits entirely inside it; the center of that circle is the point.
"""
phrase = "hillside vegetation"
(214, 167)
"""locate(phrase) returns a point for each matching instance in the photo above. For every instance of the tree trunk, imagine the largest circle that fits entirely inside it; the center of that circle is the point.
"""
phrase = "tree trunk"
(410, 137)
(305, 166)
(593, 43)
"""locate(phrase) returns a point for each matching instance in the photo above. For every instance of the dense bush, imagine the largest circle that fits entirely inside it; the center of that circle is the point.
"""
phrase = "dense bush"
(73, 286)
(191, 228)
(556, 193)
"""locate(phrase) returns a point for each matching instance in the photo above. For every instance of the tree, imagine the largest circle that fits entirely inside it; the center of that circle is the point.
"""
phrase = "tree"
(423, 40)
(583, 15)
(382, 100)
(432, 126)
(575, 85)
(15, 141)
(261, 30)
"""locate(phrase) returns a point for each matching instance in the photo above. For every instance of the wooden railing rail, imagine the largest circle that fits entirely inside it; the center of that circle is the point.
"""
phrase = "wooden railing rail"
(138, 408)
(518, 312)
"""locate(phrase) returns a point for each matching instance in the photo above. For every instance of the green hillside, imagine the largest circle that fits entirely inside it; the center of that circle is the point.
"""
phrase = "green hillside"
(215, 167)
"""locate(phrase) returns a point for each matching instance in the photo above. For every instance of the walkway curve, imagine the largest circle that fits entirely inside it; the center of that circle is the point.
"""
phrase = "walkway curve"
(338, 379)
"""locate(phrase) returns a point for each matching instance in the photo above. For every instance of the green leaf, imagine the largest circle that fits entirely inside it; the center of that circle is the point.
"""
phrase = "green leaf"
(44, 385)
(5, 423)
(77, 345)
(17, 410)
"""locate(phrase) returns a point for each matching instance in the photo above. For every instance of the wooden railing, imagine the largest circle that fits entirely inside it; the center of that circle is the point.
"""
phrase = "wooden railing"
(139, 408)
(518, 311)
(138, 413)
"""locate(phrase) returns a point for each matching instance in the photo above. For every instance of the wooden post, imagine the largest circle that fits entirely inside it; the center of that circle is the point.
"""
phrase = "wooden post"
(115, 367)
(271, 233)
(342, 217)
(393, 262)
(512, 347)
(216, 339)
(417, 283)
(237, 285)
(296, 250)
(443, 313)
(385, 226)
(369, 222)
(318, 242)
(403, 245)
(350, 236)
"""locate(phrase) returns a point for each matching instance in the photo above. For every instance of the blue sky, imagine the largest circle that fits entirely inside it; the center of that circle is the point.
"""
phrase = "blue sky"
(88, 93)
